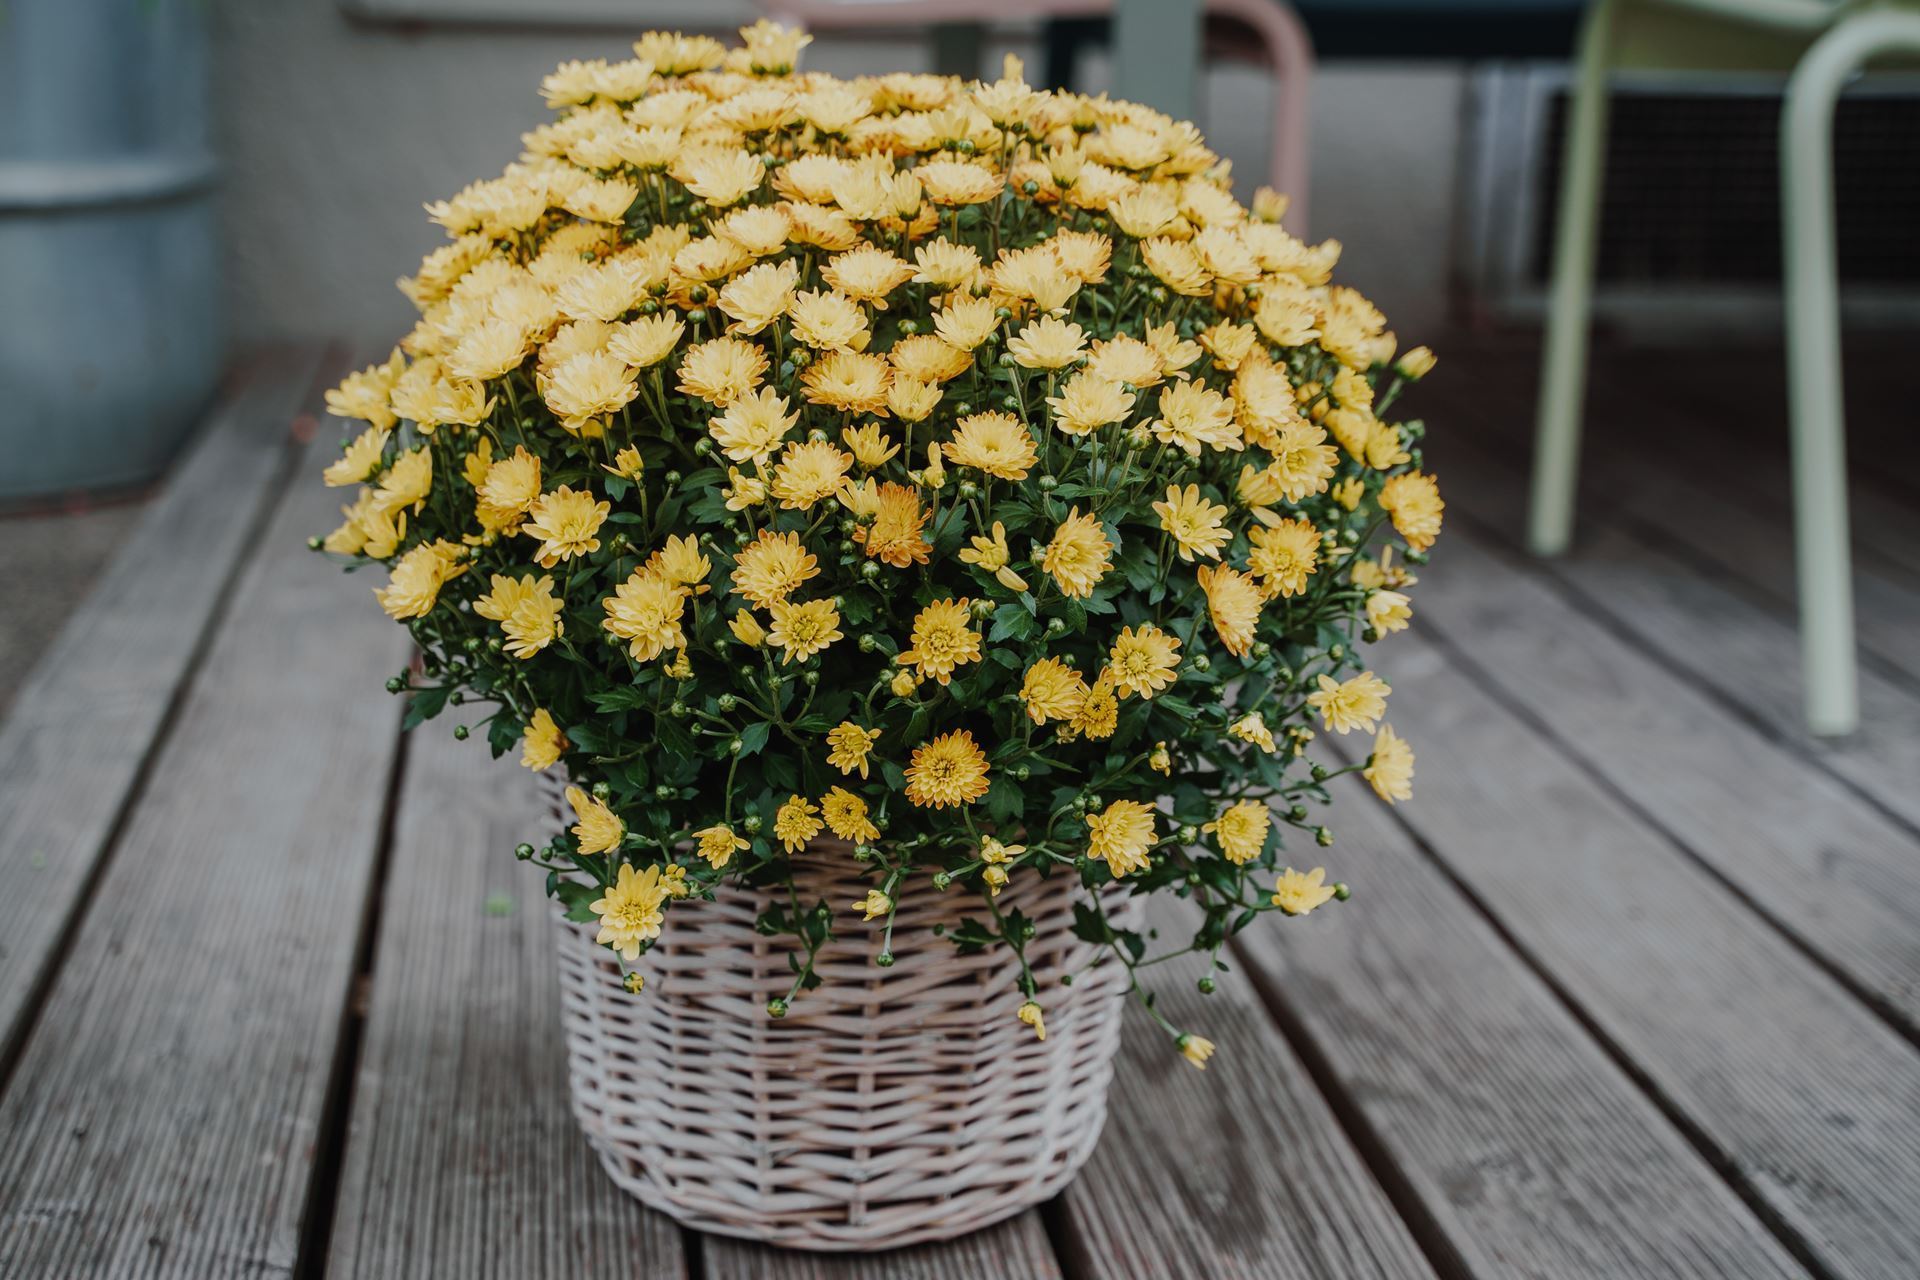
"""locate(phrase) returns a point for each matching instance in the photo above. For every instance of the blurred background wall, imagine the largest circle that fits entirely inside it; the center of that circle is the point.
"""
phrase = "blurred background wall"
(334, 129)
(1435, 143)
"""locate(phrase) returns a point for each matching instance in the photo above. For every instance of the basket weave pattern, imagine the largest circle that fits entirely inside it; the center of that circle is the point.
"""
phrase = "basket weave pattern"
(891, 1106)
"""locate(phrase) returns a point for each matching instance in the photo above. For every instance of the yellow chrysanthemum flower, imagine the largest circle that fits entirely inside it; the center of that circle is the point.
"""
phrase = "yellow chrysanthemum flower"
(643, 343)
(1195, 1049)
(1126, 360)
(946, 264)
(717, 844)
(950, 770)
(801, 630)
(1388, 612)
(896, 535)
(597, 828)
(747, 629)
(723, 370)
(1196, 525)
(875, 905)
(414, 584)
(406, 484)
(796, 823)
(992, 554)
(1242, 830)
(1078, 555)
(867, 274)
(846, 816)
(848, 381)
(631, 911)
(1048, 343)
(585, 389)
(828, 321)
(1355, 703)
(1192, 415)
(527, 610)
(965, 323)
(1143, 660)
(1233, 602)
(1389, 768)
(542, 744)
(1052, 690)
(1099, 713)
(1252, 727)
(645, 611)
(996, 443)
(759, 296)
(359, 459)
(769, 568)
(1297, 894)
(927, 357)
(942, 641)
(566, 524)
(808, 472)
(1122, 836)
(869, 445)
(1413, 502)
(754, 426)
(1088, 402)
(850, 746)
(1283, 556)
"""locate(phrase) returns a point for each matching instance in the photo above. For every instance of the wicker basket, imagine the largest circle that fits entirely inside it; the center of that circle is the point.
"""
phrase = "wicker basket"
(890, 1107)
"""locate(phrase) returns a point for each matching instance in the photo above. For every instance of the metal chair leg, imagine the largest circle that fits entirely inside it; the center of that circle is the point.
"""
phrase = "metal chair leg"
(1563, 371)
(1822, 552)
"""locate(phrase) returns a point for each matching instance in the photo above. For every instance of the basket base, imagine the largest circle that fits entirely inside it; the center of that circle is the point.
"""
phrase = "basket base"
(813, 1234)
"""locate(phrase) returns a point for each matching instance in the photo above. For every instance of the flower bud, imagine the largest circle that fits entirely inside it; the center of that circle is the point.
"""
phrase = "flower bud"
(1340, 891)
(523, 851)
(460, 733)
(776, 1008)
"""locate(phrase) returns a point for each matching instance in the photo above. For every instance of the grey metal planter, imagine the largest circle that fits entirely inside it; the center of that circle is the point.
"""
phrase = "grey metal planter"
(110, 327)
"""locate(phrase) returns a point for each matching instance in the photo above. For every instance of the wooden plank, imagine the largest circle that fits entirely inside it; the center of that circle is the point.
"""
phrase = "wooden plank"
(85, 724)
(1241, 1171)
(1724, 504)
(1840, 877)
(165, 1111)
(1532, 1153)
(1016, 1247)
(1794, 1087)
(462, 1158)
(1715, 635)
(1529, 1151)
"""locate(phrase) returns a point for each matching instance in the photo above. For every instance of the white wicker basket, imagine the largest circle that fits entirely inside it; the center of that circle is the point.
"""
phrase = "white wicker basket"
(891, 1106)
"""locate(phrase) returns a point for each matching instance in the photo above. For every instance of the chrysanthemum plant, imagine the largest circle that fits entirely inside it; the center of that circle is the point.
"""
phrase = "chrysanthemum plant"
(955, 469)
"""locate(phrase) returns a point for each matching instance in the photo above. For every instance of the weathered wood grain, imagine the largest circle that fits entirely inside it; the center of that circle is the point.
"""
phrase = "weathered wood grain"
(86, 722)
(1016, 1248)
(1530, 1152)
(1241, 1170)
(1806, 1096)
(1837, 875)
(162, 1117)
(1714, 634)
(1720, 503)
(461, 1157)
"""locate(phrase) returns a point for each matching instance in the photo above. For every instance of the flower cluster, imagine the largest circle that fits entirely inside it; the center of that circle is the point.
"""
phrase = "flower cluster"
(954, 470)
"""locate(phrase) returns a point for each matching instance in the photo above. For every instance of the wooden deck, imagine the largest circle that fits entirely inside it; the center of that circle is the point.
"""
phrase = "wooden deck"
(1631, 989)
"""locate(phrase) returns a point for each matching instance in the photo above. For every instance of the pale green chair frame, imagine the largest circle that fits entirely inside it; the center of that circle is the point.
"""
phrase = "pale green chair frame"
(1824, 44)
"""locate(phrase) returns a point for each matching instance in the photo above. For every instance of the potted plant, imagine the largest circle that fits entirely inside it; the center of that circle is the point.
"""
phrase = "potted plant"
(906, 523)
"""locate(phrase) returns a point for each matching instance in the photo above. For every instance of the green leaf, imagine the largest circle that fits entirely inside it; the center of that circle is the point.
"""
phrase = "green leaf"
(754, 737)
